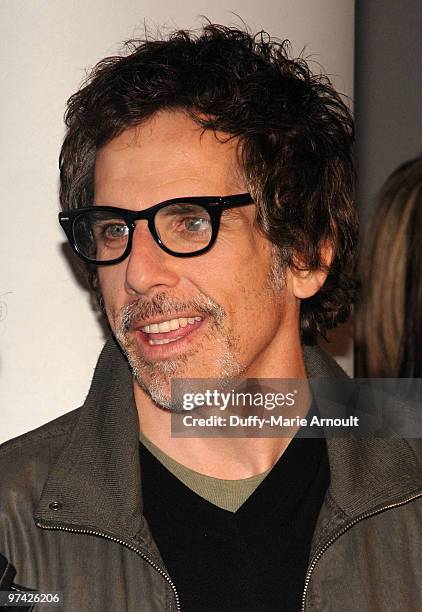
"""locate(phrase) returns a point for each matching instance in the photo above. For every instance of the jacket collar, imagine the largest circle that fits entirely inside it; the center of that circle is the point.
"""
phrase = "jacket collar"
(364, 471)
(96, 481)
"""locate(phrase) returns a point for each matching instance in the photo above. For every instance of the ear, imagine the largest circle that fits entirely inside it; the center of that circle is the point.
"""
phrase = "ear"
(307, 283)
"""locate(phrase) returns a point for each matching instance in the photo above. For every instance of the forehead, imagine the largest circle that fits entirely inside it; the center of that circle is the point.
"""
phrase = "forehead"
(167, 156)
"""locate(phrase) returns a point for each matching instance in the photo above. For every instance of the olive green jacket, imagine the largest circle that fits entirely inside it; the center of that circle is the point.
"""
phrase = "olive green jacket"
(71, 512)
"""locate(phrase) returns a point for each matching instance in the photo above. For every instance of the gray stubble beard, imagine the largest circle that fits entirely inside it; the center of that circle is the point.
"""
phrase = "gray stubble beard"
(159, 373)
(228, 364)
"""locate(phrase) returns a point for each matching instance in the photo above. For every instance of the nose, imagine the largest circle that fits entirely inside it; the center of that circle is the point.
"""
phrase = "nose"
(148, 266)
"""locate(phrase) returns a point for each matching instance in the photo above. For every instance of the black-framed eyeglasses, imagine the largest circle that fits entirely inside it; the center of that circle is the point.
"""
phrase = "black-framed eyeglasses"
(183, 227)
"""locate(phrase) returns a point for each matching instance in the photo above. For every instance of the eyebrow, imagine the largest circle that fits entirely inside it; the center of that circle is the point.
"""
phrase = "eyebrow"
(181, 207)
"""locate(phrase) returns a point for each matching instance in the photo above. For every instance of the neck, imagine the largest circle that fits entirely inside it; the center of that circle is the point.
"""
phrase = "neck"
(222, 457)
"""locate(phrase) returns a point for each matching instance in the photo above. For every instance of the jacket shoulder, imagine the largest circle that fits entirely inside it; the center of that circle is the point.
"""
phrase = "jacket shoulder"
(319, 363)
(58, 427)
(416, 446)
(26, 460)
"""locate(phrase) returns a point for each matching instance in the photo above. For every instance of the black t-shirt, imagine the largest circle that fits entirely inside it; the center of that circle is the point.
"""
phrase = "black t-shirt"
(253, 560)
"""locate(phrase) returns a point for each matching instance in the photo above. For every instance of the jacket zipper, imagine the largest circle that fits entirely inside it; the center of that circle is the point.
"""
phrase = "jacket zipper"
(123, 543)
(335, 537)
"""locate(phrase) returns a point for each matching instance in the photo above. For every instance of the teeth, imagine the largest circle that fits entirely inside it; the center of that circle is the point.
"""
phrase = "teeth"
(162, 341)
(164, 326)
(170, 325)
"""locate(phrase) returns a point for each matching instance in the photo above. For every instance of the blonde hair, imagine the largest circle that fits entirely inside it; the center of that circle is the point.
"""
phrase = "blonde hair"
(389, 310)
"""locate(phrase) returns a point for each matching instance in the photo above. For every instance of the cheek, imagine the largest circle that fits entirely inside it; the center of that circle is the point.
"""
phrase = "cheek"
(111, 282)
(242, 287)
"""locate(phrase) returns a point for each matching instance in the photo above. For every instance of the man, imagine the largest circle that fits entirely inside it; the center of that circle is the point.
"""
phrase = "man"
(207, 183)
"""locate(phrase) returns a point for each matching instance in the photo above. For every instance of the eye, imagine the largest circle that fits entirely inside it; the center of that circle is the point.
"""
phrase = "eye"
(109, 230)
(196, 224)
(115, 230)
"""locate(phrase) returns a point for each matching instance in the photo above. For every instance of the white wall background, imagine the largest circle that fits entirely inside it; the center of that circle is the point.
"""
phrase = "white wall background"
(49, 334)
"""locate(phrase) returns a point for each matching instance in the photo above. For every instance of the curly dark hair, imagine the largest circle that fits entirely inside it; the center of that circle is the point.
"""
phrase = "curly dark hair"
(296, 136)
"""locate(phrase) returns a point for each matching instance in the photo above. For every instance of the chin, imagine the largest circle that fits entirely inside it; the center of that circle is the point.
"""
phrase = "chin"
(155, 377)
(159, 390)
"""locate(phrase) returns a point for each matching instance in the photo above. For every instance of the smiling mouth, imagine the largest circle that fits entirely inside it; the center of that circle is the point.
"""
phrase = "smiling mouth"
(170, 330)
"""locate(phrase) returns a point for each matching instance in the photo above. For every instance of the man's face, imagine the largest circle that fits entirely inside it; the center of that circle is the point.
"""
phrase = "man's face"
(225, 308)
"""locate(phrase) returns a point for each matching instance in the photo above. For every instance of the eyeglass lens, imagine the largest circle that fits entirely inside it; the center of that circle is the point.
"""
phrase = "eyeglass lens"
(181, 227)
